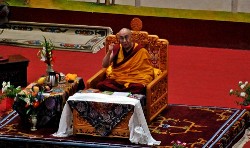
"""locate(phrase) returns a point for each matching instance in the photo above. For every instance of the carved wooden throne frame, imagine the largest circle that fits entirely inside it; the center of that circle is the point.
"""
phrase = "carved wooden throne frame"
(156, 91)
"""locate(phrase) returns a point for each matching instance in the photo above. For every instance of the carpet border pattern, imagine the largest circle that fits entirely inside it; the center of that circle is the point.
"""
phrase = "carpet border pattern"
(237, 123)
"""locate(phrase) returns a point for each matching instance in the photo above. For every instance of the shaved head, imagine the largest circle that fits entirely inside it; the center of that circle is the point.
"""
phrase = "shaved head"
(124, 31)
(125, 38)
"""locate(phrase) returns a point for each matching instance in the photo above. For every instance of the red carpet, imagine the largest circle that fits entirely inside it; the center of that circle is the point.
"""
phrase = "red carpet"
(198, 126)
(197, 75)
(204, 76)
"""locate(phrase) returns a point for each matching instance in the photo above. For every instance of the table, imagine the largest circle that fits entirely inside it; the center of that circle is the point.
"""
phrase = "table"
(51, 108)
(14, 70)
(103, 119)
(139, 132)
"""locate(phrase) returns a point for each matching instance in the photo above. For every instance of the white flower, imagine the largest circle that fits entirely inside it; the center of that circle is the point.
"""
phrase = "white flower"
(240, 82)
(231, 90)
(246, 82)
(27, 100)
(242, 94)
(242, 86)
(43, 53)
(4, 89)
(8, 84)
(5, 86)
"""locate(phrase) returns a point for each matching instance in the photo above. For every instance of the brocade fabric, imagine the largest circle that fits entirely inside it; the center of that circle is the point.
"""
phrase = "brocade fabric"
(103, 116)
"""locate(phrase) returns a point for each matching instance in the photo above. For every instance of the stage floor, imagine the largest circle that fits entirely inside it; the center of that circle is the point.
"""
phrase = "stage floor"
(198, 126)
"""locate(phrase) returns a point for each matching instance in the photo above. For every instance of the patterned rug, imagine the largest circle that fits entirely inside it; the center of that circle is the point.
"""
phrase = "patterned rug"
(64, 36)
(198, 126)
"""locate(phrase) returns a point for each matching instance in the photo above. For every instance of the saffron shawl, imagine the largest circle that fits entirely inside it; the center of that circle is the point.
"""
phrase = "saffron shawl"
(136, 69)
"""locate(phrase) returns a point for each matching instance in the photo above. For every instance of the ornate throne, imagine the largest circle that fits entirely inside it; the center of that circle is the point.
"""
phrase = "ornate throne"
(156, 91)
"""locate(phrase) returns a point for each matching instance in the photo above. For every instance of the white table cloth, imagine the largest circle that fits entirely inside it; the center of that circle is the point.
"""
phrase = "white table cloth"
(139, 132)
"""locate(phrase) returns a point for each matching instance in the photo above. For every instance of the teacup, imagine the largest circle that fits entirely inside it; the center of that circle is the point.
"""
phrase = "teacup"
(62, 77)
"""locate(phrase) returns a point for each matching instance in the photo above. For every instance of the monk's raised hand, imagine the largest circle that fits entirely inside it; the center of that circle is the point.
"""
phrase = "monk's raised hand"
(111, 46)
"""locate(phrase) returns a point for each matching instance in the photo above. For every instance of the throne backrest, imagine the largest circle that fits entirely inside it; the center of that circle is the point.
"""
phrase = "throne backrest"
(157, 48)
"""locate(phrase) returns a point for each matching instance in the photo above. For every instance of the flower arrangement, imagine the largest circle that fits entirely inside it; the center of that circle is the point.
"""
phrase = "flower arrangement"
(33, 99)
(178, 144)
(9, 90)
(242, 92)
(46, 53)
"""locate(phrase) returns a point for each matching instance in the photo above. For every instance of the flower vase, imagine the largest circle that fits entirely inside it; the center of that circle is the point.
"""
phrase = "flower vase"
(33, 120)
(49, 69)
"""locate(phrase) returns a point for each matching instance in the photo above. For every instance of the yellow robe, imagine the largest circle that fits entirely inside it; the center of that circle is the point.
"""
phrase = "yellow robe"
(138, 69)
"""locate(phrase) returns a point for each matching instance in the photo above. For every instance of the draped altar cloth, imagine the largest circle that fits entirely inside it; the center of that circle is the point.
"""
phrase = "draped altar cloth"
(139, 131)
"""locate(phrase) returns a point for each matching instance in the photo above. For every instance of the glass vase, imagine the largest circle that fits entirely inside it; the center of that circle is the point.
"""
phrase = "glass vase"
(33, 121)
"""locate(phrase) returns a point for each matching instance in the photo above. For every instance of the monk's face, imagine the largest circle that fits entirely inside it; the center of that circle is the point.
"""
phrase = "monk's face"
(125, 38)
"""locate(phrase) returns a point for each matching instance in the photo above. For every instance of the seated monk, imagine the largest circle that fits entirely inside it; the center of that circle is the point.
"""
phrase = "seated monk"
(128, 66)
